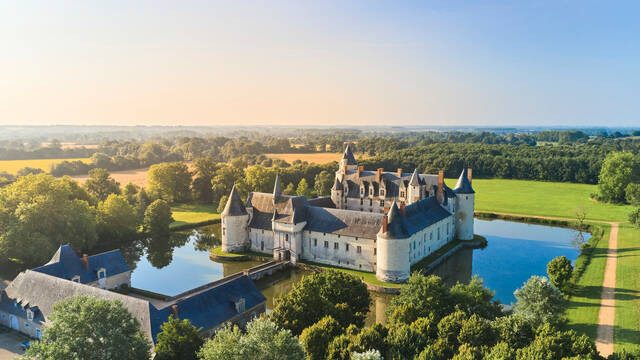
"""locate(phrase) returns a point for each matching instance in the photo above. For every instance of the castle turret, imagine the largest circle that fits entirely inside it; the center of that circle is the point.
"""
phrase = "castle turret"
(348, 161)
(393, 264)
(413, 192)
(276, 190)
(337, 193)
(465, 203)
(235, 221)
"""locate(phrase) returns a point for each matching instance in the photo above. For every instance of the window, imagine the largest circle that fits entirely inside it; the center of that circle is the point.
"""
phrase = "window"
(286, 237)
(336, 246)
(29, 315)
(381, 192)
(438, 233)
(223, 230)
(38, 334)
(381, 202)
(359, 249)
(346, 247)
(361, 201)
(26, 324)
(401, 193)
(360, 266)
(430, 236)
(370, 202)
(261, 245)
(240, 305)
(447, 228)
(326, 244)
(102, 273)
(375, 251)
(315, 242)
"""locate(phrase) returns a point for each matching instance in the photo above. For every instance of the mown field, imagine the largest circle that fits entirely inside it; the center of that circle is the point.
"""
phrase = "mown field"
(12, 166)
(193, 213)
(542, 199)
(627, 323)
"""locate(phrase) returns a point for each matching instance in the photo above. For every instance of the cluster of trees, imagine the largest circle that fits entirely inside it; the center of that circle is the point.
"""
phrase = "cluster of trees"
(38, 213)
(322, 318)
(619, 182)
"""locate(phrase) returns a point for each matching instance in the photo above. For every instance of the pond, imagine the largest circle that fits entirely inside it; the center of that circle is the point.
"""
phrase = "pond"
(515, 251)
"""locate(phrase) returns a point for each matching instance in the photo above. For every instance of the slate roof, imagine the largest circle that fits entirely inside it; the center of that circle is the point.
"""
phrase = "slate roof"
(234, 205)
(324, 202)
(66, 264)
(344, 222)
(463, 186)
(351, 160)
(390, 182)
(206, 306)
(418, 216)
(290, 209)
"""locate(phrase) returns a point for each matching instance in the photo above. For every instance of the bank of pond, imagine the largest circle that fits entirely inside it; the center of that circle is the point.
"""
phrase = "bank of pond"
(515, 251)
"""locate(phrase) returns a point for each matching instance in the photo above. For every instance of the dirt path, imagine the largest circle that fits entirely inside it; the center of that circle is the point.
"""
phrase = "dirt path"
(606, 317)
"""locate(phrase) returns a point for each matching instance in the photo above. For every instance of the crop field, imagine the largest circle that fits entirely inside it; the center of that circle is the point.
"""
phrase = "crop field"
(136, 176)
(318, 158)
(12, 166)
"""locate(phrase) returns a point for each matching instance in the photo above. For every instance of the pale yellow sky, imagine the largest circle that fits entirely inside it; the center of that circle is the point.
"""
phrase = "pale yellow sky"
(294, 63)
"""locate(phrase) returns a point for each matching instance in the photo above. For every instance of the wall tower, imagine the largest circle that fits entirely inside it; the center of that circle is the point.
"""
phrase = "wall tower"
(465, 203)
(235, 225)
(392, 258)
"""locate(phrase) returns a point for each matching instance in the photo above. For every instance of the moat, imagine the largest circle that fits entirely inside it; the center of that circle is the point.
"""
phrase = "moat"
(515, 251)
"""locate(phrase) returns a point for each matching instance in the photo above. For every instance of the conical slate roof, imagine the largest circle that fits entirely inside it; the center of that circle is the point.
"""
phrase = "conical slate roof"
(395, 224)
(337, 185)
(234, 205)
(414, 181)
(348, 155)
(276, 189)
(463, 186)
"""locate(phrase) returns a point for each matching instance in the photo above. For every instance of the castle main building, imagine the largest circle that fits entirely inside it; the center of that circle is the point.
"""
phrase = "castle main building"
(375, 221)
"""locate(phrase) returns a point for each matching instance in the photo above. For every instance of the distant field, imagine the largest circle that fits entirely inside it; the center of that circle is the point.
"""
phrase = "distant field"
(12, 166)
(318, 158)
(542, 198)
(137, 176)
(72, 145)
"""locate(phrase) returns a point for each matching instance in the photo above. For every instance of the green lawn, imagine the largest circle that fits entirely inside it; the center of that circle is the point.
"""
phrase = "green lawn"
(584, 306)
(193, 213)
(218, 251)
(365, 276)
(542, 199)
(627, 323)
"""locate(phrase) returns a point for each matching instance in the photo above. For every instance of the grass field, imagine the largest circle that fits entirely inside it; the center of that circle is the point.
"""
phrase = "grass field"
(137, 176)
(318, 158)
(193, 213)
(542, 199)
(627, 323)
(12, 166)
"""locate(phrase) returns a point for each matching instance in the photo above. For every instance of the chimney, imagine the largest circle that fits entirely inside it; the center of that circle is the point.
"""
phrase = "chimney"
(469, 175)
(399, 172)
(440, 194)
(360, 168)
(344, 169)
(403, 210)
(385, 222)
(379, 178)
(85, 260)
(174, 309)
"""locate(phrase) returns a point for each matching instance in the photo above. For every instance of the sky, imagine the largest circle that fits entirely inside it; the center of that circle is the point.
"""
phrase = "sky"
(330, 63)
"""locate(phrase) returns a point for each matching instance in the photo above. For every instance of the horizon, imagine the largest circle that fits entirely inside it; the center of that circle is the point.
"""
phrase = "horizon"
(301, 64)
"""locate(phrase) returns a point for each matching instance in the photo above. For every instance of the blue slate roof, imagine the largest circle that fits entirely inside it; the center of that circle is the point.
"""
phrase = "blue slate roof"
(210, 305)
(463, 186)
(417, 216)
(66, 264)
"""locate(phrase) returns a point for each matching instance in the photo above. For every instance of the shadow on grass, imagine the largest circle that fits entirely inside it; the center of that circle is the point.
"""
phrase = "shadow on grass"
(595, 292)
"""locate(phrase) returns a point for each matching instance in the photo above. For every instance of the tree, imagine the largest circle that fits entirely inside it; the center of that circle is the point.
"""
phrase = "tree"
(117, 220)
(316, 338)
(303, 189)
(264, 340)
(205, 170)
(476, 332)
(90, 328)
(617, 172)
(258, 178)
(29, 170)
(514, 330)
(322, 183)
(130, 191)
(428, 294)
(40, 212)
(170, 182)
(100, 184)
(538, 301)
(634, 217)
(474, 298)
(223, 180)
(560, 271)
(339, 295)
(142, 202)
(290, 189)
(367, 355)
(632, 194)
(404, 342)
(556, 344)
(222, 203)
(157, 218)
(178, 340)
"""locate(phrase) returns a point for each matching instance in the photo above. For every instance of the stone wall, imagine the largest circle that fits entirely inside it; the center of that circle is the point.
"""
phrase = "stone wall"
(313, 244)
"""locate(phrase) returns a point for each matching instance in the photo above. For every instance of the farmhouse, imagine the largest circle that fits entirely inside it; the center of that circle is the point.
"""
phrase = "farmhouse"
(375, 221)
(29, 300)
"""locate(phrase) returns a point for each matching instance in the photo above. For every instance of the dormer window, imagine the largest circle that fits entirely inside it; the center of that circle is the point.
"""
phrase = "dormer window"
(29, 315)
(240, 303)
(102, 273)
(76, 278)
(381, 192)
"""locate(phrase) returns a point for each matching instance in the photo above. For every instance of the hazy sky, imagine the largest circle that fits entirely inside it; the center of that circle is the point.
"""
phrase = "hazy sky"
(320, 62)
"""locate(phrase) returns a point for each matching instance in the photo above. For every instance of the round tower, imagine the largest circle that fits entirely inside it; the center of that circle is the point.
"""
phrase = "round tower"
(465, 204)
(235, 225)
(393, 243)
(337, 193)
